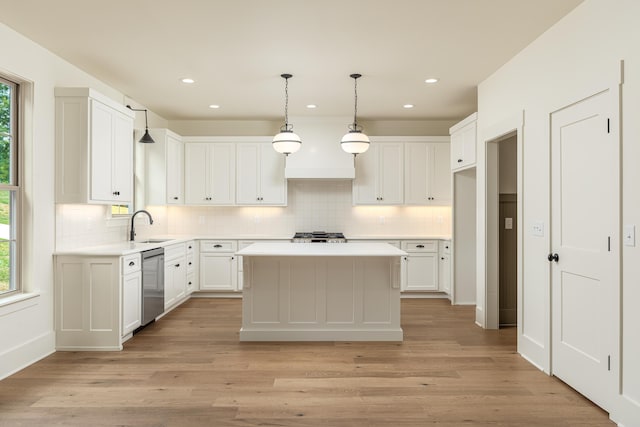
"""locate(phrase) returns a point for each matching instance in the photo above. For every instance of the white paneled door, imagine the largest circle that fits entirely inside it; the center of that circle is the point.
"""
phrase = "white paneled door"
(585, 253)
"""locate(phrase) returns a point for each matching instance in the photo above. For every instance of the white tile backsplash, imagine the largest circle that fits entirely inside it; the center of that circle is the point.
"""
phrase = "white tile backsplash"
(312, 206)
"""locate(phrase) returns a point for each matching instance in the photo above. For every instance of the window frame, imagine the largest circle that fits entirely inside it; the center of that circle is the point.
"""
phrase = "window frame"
(14, 188)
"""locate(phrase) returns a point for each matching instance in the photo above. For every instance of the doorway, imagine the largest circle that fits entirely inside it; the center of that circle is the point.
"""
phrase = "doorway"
(503, 210)
(507, 235)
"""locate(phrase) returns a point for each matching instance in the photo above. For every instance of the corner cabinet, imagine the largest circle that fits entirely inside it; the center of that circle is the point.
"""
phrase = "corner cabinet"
(94, 148)
(209, 172)
(427, 174)
(163, 166)
(260, 176)
(379, 179)
(463, 143)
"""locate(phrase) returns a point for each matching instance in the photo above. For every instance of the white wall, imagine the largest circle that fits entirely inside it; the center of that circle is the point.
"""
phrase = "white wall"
(577, 57)
(26, 328)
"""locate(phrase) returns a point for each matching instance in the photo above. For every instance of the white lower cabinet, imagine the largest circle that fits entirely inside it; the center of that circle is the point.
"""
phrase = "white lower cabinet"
(97, 301)
(218, 266)
(192, 277)
(131, 293)
(420, 267)
(175, 274)
(444, 269)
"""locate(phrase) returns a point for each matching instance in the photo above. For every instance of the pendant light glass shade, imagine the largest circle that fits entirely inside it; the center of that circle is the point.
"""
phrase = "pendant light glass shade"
(355, 141)
(146, 138)
(286, 142)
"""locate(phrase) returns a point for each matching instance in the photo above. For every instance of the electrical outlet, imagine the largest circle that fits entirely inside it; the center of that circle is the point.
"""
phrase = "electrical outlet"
(538, 228)
(382, 219)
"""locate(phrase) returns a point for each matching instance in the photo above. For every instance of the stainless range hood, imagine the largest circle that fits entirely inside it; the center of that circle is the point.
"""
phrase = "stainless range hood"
(320, 156)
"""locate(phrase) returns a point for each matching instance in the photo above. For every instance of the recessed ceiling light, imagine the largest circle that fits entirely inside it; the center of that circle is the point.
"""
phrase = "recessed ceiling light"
(214, 106)
(431, 80)
(407, 106)
(312, 106)
(188, 80)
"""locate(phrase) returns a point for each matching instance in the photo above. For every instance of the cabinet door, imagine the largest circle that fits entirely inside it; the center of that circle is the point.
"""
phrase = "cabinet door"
(421, 272)
(131, 302)
(248, 174)
(457, 150)
(273, 185)
(391, 183)
(174, 175)
(417, 168)
(122, 167)
(101, 129)
(195, 173)
(444, 273)
(175, 281)
(365, 188)
(218, 272)
(469, 143)
(440, 174)
(221, 173)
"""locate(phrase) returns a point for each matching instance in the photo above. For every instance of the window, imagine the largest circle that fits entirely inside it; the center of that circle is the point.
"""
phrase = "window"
(9, 187)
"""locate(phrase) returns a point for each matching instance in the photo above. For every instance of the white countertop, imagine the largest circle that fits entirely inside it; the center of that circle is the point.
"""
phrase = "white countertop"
(127, 248)
(321, 249)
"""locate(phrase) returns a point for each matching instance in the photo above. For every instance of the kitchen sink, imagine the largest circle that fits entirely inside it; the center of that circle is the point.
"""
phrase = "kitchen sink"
(154, 241)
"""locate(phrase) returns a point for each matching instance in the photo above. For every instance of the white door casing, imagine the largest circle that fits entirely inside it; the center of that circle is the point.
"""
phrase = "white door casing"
(585, 278)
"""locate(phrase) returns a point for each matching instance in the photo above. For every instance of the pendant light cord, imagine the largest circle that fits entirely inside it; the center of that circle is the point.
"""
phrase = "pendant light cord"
(355, 108)
(286, 103)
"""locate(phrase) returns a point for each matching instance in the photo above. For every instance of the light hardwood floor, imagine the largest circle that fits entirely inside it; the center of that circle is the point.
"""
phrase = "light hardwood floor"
(189, 369)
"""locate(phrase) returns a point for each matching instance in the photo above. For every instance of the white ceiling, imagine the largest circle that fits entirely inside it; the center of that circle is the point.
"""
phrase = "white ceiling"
(237, 49)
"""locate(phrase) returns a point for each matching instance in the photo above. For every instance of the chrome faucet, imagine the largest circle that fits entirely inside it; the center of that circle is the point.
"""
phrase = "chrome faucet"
(132, 235)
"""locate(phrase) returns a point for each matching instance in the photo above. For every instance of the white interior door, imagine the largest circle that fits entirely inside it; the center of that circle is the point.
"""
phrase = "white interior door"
(585, 238)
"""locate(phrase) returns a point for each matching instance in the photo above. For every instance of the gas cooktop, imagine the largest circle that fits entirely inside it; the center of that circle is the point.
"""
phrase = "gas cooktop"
(319, 237)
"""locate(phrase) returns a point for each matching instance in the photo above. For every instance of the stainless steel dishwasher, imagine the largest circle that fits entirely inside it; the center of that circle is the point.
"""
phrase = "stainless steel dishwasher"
(152, 284)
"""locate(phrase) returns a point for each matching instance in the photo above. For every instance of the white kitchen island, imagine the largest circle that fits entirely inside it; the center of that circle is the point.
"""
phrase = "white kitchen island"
(321, 292)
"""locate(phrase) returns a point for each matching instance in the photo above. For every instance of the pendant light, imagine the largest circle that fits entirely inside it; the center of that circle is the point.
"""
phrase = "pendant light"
(146, 138)
(286, 142)
(355, 141)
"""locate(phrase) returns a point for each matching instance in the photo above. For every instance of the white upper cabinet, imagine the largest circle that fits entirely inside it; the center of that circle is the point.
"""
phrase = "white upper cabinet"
(463, 143)
(94, 148)
(164, 160)
(209, 172)
(427, 172)
(379, 177)
(260, 175)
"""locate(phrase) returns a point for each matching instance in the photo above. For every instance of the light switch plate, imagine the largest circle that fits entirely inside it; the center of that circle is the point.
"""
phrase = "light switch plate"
(629, 235)
(538, 229)
(508, 223)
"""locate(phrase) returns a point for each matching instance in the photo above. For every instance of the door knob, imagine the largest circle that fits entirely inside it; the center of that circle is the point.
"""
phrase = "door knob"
(553, 257)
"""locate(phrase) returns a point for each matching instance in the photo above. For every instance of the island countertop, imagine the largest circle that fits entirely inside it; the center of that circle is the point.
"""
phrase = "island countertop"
(321, 249)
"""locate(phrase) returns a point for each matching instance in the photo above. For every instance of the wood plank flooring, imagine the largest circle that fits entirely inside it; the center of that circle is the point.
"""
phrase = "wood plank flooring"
(188, 369)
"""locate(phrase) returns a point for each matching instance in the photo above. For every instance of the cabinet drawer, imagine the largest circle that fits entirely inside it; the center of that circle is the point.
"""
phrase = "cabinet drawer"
(131, 264)
(420, 246)
(174, 251)
(217, 246)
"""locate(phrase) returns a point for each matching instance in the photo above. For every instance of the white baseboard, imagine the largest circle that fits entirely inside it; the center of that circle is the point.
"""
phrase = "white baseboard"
(28, 353)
